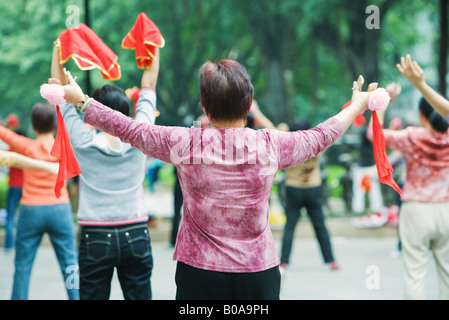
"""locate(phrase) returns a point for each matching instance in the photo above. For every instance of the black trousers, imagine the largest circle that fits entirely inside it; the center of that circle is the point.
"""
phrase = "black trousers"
(125, 248)
(309, 198)
(198, 284)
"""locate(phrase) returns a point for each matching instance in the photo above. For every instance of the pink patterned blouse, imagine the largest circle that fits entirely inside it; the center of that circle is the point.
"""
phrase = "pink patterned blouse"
(226, 177)
(426, 156)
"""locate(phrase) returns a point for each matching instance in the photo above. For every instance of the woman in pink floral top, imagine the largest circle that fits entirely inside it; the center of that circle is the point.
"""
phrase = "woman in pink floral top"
(424, 218)
(225, 248)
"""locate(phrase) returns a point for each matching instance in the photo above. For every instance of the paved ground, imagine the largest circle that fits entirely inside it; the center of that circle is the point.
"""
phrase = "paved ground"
(371, 268)
(369, 271)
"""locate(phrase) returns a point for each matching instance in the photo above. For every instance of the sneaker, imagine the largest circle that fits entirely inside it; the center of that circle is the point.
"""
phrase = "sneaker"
(334, 265)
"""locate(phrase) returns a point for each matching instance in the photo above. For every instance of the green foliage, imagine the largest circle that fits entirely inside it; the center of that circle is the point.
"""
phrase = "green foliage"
(271, 38)
(4, 187)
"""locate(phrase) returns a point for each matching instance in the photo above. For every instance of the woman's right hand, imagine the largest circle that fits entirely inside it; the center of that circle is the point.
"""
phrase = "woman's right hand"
(359, 103)
(412, 71)
(359, 97)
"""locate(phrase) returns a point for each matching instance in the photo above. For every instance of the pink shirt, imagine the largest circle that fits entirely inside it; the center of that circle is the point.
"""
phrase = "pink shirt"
(426, 156)
(226, 177)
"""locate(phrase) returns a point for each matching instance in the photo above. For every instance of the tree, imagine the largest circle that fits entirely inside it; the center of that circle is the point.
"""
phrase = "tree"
(271, 25)
(301, 55)
(345, 33)
(443, 46)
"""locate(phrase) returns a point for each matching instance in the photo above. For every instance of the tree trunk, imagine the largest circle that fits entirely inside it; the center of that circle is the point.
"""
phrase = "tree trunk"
(88, 83)
(276, 94)
(443, 46)
(359, 52)
(269, 28)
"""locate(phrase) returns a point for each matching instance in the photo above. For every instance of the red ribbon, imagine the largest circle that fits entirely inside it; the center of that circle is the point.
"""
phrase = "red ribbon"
(62, 149)
(384, 168)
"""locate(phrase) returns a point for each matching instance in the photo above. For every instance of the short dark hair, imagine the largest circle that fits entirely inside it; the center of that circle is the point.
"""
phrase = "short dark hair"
(226, 91)
(43, 117)
(437, 122)
(113, 97)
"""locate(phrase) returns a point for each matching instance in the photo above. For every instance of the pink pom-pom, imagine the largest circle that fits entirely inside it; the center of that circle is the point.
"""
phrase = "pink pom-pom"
(379, 100)
(53, 93)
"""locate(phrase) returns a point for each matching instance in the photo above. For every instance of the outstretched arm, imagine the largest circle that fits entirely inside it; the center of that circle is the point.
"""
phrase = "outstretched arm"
(413, 72)
(298, 146)
(359, 103)
(12, 159)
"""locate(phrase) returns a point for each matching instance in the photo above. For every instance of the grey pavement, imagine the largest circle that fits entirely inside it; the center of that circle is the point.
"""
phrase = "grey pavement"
(369, 271)
(370, 266)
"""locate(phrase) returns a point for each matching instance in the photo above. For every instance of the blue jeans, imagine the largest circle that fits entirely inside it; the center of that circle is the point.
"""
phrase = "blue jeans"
(12, 200)
(34, 221)
(126, 248)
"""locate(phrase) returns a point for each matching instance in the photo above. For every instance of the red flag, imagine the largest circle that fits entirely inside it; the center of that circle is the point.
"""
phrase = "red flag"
(143, 37)
(88, 51)
(62, 149)
(384, 168)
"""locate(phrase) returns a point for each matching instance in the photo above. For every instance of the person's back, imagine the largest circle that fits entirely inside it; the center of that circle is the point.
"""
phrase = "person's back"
(308, 173)
(41, 211)
(426, 155)
(226, 176)
(112, 171)
(206, 163)
(427, 161)
(112, 179)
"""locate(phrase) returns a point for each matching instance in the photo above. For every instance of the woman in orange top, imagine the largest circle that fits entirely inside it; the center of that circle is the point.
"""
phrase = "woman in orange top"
(40, 210)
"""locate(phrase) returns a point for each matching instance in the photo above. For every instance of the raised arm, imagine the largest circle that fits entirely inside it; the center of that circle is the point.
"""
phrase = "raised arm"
(261, 118)
(150, 76)
(413, 72)
(74, 94)
(57, 71)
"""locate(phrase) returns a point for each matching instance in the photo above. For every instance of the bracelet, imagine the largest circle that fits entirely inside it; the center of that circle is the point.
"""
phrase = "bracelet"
(84, 107)
(82, 102)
